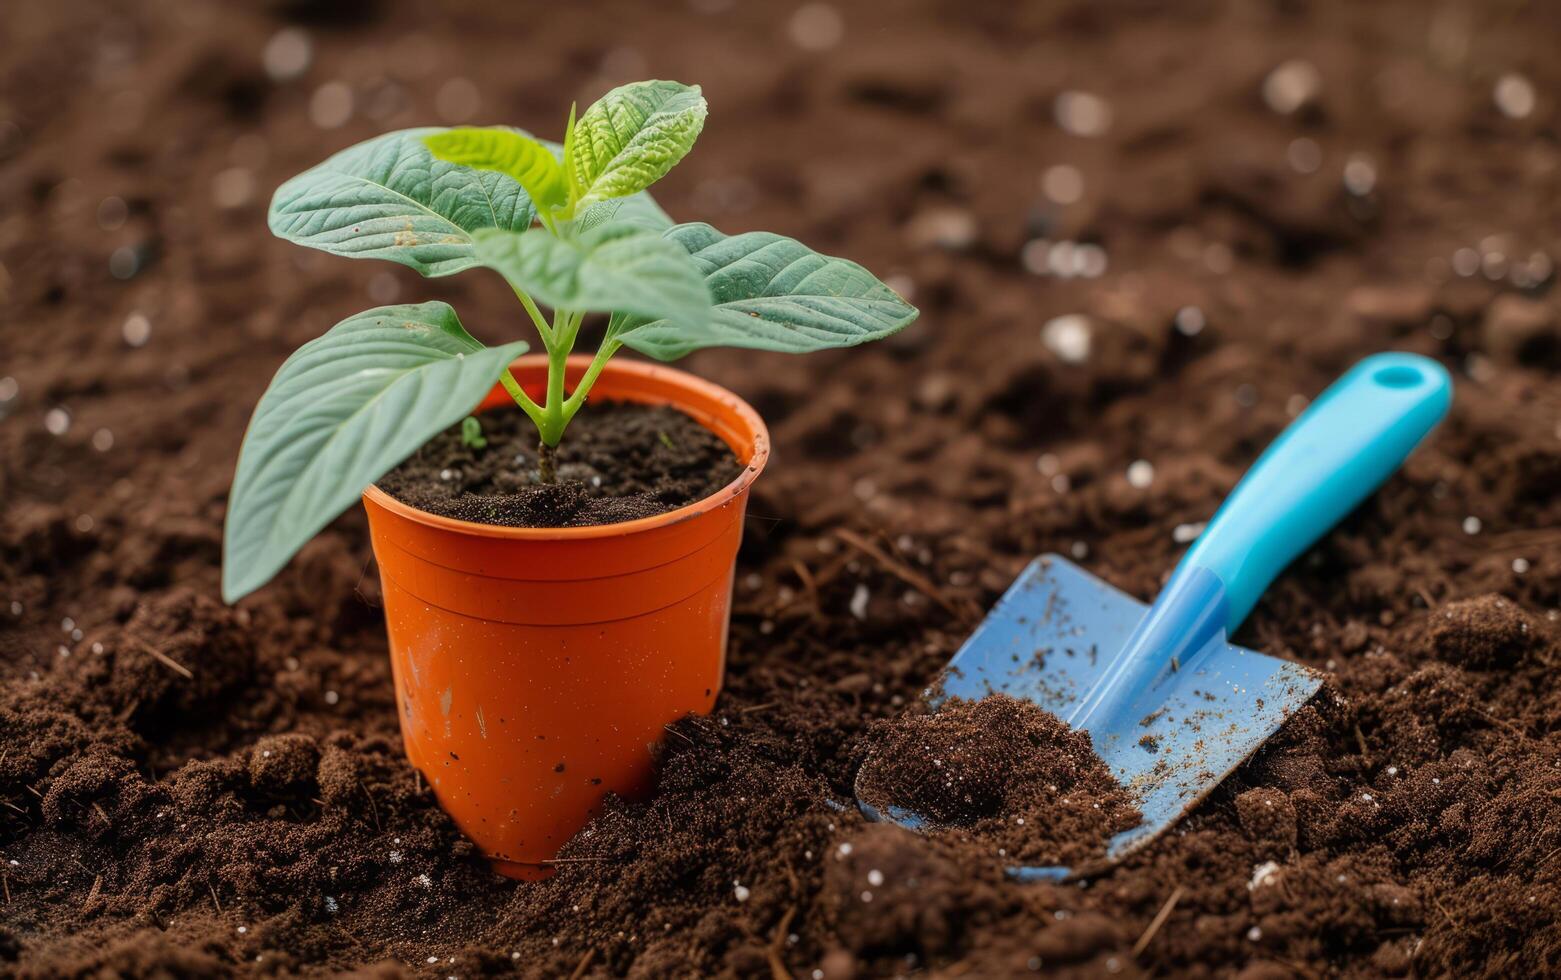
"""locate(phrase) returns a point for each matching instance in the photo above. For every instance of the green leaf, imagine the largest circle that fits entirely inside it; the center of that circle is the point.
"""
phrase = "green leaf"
(508, 152)
(388, 198)
(770, 293)
(342, 411)
(631, 137)
(614, 268)
(639, 210)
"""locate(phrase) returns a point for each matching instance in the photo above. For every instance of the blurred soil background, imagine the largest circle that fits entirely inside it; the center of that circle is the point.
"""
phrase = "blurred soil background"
(1141, 236)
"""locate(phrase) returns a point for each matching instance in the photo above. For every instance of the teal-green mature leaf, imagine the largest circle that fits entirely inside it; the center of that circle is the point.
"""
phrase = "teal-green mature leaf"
(770, 293)
(342, 411)
(388, 198)
(617, 268)
(630, 137)
(506, 151)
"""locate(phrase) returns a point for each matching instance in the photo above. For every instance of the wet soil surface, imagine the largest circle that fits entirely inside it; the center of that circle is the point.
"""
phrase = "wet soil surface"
(998, 773)
(1141, 237)
(617, 462)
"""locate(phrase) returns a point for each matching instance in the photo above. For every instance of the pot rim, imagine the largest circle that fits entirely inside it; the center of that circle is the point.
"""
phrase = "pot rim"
(577, 363)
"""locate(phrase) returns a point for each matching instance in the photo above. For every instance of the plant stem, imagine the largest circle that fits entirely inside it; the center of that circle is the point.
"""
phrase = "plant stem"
(577, 397)
(531, 408)
(536, 316)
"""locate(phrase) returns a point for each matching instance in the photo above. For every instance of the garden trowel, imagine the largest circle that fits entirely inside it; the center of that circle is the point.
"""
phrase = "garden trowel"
(1170, 704)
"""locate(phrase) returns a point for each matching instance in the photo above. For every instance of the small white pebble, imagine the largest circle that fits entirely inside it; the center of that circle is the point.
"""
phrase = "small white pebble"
(1471, 525)
(859, 602)
(242, 930)
(1190, 321)
(845, 849)
(875, 877)
(331, 697)
(1140, 473)
(1184, 533)
(867, 896)
(330, 905)
(137, 330)
(741, 893)
(1520, 565)
(1068, 337)
(1514, 95)
(57, 421)
(1082, 113)
(1254, 933)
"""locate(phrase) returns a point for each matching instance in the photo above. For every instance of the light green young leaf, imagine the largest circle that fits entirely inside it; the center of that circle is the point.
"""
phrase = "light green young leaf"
(342, 411)
(639, 210)
(770, 293)
(614, 268)
(508, 152)
(388, 198)
(631, 137)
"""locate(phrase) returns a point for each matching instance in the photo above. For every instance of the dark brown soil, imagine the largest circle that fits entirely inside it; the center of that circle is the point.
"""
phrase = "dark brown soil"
(617, 462)
(1408, 822)
(1000, 774)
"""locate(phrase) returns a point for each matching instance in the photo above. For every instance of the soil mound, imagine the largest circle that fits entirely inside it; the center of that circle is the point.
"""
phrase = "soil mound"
(1000, 771)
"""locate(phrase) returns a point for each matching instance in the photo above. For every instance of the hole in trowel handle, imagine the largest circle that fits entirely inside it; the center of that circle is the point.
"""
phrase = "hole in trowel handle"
(1398, 376)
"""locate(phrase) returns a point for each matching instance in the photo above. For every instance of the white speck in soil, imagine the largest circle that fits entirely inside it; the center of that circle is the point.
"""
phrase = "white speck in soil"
(424, 881)
(859, 602)
(1471, 525)
(124, 263)
(816, 27)
(1082, 113)
(1304, 155)
(1360, 175)
(1061, 483)
(875, 877)
(740, 893)
(84, 524)
(1190, 321)
(1263, 874)
(57, 421)
(1254, 933)
(1520, 565)
(8, 388)
(242, 930)
(766, 627)
(395, 857)
(1140, 473)
(137, 330)
(331, 105)
(1068, 337)
(331, 905)
(1514, 95)
(845, 849)
(1079, 550)
(1063, 183)
(287, 54)
(1184, 533)
(331, 697)
(1291, 86)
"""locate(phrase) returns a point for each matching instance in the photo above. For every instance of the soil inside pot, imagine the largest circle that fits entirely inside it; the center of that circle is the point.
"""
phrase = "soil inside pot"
(1000, 772)
(618, 462)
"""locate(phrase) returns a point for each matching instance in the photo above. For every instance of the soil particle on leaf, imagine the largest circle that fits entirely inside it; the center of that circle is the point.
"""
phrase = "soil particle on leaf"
(1002, 772)
(618, 462)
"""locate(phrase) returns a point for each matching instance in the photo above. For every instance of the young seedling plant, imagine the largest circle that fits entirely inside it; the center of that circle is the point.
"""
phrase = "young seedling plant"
(573, 231)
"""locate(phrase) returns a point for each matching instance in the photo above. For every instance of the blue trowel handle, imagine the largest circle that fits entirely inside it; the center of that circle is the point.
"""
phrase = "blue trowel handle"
(1319, 469)
(1342, 447)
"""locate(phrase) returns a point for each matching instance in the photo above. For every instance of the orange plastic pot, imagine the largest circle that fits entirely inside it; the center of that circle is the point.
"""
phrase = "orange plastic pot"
(536, 669)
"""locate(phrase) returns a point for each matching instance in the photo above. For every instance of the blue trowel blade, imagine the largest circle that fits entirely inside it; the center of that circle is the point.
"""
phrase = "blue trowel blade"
(1048, 639)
